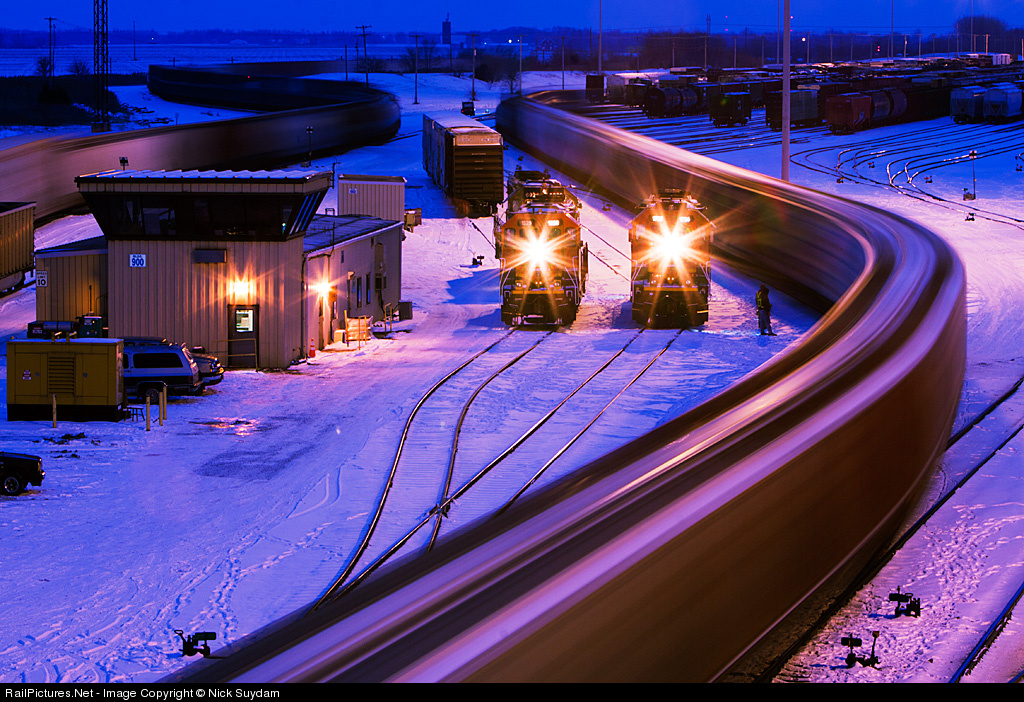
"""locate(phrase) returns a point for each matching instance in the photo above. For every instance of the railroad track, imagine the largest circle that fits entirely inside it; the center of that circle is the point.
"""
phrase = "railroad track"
(911, 156)
(432, 437)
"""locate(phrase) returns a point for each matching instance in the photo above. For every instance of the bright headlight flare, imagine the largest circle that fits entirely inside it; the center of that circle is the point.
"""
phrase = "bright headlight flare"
(537, 252)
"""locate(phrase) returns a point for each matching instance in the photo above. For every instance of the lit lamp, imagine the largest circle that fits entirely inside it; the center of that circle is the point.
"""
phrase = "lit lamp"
(240, 291)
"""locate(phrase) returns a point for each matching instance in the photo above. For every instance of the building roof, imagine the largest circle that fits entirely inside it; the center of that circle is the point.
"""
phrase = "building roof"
(93, 245)
(11, 206)
(280, 181)
(349, 177)
(326, 231)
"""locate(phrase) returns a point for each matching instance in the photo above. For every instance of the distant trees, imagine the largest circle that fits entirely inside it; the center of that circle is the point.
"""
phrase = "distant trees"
(44, 67)
(79, 67)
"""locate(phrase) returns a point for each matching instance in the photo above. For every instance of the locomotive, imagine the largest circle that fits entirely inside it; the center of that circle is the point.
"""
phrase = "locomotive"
(670, 241)
(543, 260)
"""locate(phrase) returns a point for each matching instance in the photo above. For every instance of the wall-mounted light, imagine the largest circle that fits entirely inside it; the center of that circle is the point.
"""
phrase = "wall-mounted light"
(322, 288)
(241, 290)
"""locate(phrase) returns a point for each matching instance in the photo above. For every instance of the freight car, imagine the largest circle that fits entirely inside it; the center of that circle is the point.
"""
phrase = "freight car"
(672, 101)
(803, 109)
(670, 243)
(1002, 102)
(967, 104)
(465, 159)
(727, 109)
(543, 260)
(17, 242)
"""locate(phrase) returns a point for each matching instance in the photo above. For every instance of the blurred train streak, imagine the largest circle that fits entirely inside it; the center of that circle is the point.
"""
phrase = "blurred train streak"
(44, 170)
(674, 556)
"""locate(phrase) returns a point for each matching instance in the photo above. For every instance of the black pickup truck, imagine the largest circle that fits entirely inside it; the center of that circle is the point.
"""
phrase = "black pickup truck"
(18, 470)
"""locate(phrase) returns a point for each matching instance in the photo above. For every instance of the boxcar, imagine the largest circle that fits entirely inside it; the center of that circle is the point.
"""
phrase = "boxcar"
(17, 242)
(727, 109)
(465, 159)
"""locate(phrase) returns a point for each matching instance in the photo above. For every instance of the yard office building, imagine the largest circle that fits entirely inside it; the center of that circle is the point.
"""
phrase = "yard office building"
(219, 259)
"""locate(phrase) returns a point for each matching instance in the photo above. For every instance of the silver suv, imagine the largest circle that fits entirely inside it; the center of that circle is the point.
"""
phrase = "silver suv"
(147, 368)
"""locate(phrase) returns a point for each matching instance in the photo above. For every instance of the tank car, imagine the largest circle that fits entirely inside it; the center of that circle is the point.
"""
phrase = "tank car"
(670, 242)
(543, 260)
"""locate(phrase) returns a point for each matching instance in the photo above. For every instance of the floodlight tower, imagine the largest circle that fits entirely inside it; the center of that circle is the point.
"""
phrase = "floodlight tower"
(100, 64)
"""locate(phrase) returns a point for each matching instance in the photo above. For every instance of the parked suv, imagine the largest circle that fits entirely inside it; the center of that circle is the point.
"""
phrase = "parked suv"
(148, 367)
(18, 470)
(211, 371)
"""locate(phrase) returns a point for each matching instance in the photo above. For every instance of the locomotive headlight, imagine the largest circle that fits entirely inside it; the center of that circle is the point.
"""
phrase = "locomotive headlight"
(671, 247)
(538, 252)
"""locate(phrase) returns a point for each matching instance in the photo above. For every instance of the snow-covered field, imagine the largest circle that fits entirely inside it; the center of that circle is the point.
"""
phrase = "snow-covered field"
(249, 501)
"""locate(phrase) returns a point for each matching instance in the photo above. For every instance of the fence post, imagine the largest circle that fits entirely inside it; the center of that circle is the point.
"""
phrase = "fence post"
(54, 411)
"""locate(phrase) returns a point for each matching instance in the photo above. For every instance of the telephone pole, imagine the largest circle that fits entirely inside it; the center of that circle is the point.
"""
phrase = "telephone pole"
(52, 36)
(366, 56)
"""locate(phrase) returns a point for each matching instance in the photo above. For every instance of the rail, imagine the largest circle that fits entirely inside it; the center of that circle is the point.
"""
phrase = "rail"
(682, 553)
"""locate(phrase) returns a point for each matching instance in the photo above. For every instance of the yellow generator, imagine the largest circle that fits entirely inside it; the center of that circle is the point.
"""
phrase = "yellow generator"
(82, 376)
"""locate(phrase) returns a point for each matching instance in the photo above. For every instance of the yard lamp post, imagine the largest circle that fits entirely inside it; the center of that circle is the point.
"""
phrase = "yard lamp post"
(309, 137)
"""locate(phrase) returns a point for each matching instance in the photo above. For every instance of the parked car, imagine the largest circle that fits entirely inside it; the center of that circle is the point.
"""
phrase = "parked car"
(148, 367)
(211, 371)
(18, 470)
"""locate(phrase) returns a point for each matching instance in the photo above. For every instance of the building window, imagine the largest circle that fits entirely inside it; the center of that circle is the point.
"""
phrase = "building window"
(367, 288)
(359, 292)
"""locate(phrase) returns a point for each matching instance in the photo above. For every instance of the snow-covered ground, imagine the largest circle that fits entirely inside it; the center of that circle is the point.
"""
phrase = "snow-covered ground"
(250, 500)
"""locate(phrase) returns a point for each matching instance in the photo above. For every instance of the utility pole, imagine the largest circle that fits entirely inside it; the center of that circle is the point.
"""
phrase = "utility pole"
(472, 94)
(707, 34)
(52, 36)
(366, 56)
(520, 64)
(831, 56)
(563, 62)
(600, 35)
(892, 27)
(808, 48)
(785, 93)
(416, 69)
(637, 53)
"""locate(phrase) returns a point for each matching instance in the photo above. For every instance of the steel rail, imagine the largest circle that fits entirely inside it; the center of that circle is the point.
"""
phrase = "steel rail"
(681, 554)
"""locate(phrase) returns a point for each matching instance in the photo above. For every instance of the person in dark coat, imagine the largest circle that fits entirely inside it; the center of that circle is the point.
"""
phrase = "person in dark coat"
(764, 308)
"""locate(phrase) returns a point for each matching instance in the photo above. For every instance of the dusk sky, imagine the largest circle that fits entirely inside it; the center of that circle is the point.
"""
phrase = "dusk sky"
(927, 16)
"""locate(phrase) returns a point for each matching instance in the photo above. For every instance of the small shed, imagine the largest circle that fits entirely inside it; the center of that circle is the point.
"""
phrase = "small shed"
(372, 196)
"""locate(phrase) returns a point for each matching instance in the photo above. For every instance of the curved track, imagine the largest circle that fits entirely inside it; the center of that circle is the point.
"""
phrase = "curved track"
(342, 116)
(675, 556)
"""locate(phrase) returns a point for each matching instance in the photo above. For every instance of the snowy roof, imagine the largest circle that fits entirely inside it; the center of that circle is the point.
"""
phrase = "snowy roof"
(330, 230)
(92, 245)
(284, 180)
(350, 177)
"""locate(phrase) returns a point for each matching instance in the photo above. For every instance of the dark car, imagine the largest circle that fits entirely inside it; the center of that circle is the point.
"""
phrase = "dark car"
(18, 470)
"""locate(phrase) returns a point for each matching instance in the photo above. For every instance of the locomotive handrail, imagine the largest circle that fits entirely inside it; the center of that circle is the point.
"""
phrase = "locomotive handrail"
(675, 555)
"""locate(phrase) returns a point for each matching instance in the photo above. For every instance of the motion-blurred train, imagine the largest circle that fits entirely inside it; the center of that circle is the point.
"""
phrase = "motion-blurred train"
(670, 241)
(543, 259)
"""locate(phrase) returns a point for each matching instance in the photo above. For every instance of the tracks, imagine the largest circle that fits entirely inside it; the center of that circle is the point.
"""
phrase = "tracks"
(429, 453)
(910, 159)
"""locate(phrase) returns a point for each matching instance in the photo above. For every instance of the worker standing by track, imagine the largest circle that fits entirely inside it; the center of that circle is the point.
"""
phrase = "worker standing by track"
(764, 309)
